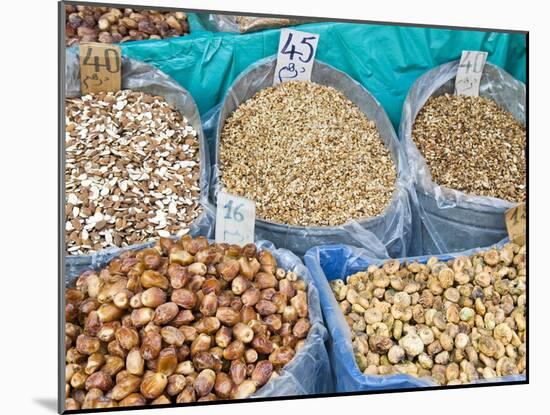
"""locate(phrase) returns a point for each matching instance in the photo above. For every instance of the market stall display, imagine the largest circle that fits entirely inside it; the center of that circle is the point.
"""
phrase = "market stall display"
(472, 145)
(454, 321)
(307, 156)
(477, 147)
(185, 320)
(351, 184)
(156, 312)
(423, 321)
(132, 171)
(173, 106)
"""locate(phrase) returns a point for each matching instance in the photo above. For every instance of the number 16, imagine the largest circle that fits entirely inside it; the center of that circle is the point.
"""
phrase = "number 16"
(234, 214)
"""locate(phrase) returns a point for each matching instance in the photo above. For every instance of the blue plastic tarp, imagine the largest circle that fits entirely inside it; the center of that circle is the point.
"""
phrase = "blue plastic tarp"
(384, 59)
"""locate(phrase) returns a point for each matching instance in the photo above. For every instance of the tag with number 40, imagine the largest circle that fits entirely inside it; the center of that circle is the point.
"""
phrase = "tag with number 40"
(470, 69)
(100, 67)
(235, 217)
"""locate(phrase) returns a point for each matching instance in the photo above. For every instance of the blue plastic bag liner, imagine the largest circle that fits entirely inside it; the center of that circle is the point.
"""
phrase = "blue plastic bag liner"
(309, 372)
(143, 77)
(386, 235)
(386, 60)
(456, 228)
(330, 262)
(453, 220)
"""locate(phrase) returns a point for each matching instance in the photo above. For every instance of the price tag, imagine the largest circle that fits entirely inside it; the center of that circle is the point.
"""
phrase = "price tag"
(235, 219)
(99, 67)
(295, 56)
(516, 223)
(469, 72)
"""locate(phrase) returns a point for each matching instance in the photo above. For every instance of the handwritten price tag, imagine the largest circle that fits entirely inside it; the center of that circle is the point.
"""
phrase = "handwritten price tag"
(295, 57)
(235, 217)
(516, 223)
(469, 72)
(100, 66)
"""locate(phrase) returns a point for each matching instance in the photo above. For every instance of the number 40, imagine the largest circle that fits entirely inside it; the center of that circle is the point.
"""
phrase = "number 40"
(112, 60)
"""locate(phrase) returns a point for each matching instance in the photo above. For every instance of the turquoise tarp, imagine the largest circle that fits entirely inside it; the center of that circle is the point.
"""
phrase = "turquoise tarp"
(385, 59)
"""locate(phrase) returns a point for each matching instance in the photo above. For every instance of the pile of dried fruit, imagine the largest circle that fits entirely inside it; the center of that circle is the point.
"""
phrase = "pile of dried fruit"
(132, 170)
(456, 321)
(306, 155)
(181, 322)
(112, 25)
(472, 145)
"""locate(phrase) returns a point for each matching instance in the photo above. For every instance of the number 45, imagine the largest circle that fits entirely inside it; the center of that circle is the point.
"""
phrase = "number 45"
(290, 49)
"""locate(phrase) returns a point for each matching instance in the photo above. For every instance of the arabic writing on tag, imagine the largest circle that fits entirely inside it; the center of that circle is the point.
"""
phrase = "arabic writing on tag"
(296, 55)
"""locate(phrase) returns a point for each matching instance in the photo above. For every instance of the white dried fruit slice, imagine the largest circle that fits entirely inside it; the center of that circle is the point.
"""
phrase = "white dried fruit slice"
(121, 168)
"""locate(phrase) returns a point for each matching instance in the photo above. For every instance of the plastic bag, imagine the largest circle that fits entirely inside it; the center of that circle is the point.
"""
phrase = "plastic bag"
(386, 235)
(309, 372)
(453, 220)
(140, 76)
(246, 24)
(326, 263)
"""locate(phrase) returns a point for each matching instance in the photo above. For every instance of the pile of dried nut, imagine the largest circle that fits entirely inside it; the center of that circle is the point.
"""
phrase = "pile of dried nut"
(252, 23)
(472, 145)
(113, 25)
(306, 155)
(181, 322)
(456, 321)
(132, 171)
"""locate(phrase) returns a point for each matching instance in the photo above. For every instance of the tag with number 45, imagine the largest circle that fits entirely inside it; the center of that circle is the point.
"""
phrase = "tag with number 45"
(235, 217)
(295, 56)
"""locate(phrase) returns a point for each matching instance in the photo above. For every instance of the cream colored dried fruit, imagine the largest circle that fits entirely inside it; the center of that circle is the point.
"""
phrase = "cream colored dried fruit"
(306, 155)
(455, 322)
(472, 145)
(132, 171)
